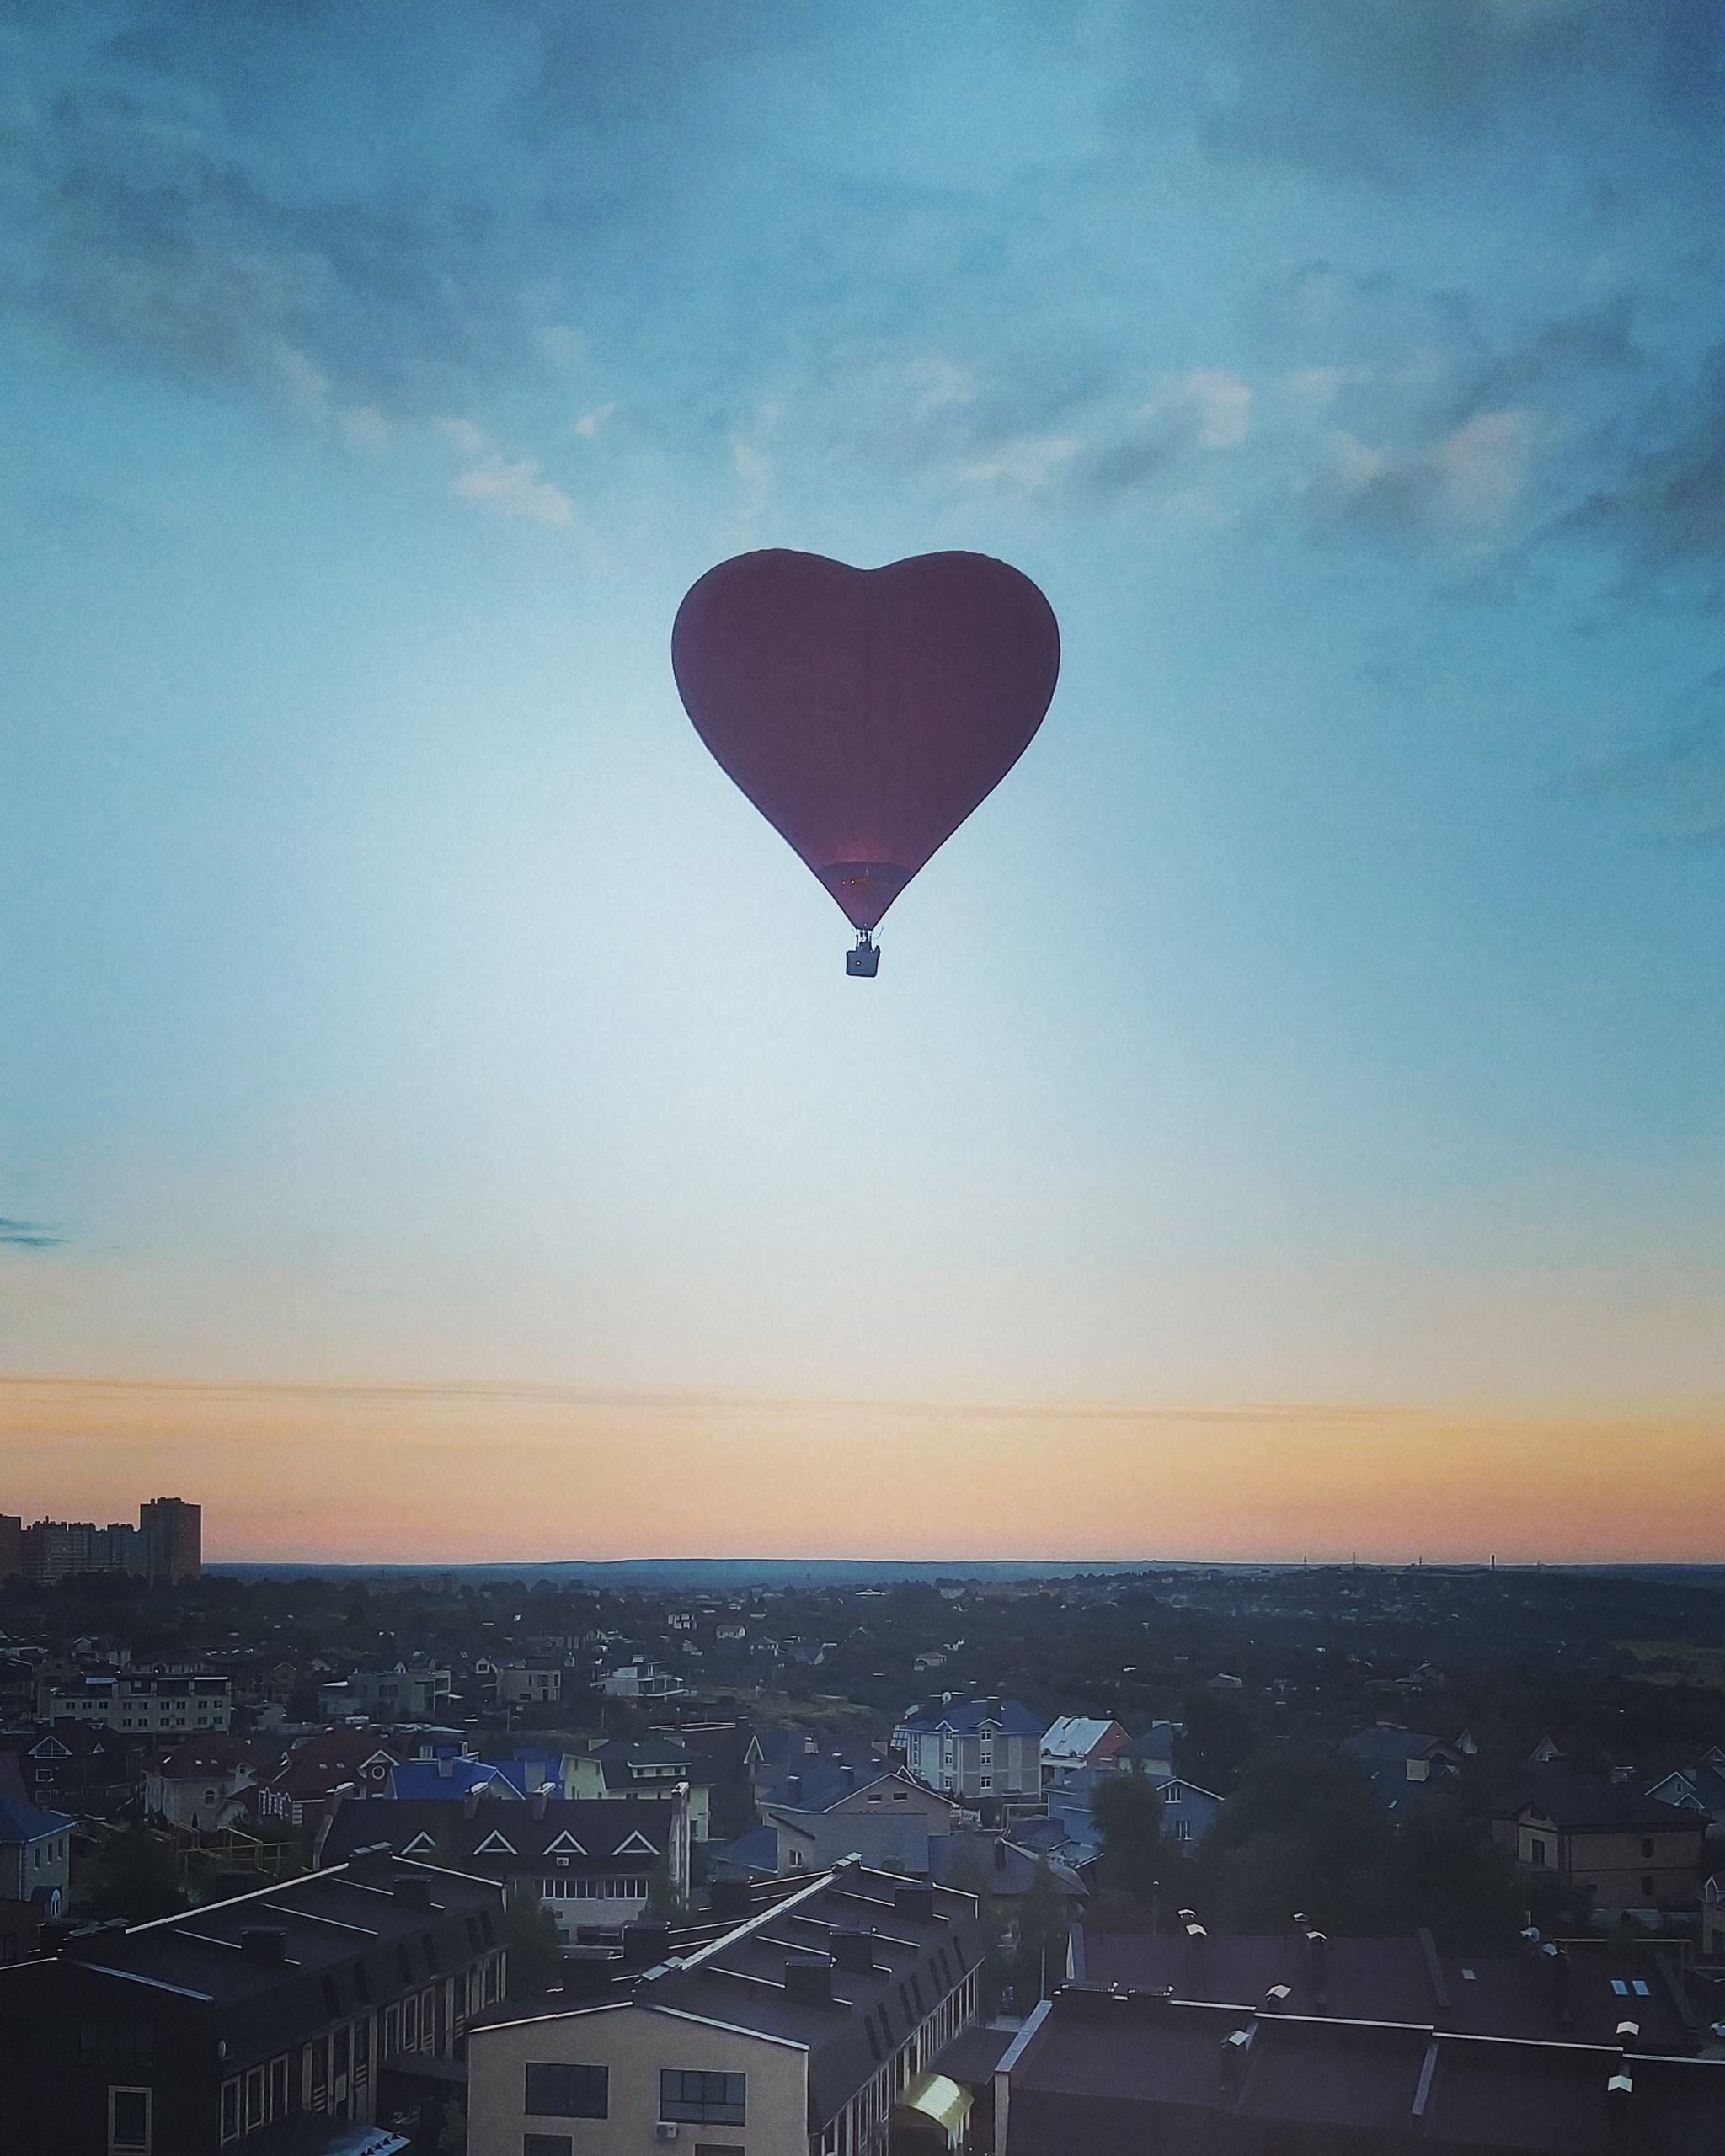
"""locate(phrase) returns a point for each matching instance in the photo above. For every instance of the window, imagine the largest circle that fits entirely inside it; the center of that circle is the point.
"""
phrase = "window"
(545, 2144)
(254, 2098)
(230, 2110)
(557, 2091)
(278, 2087)
(128, 2120)
(1646, 1848)
(1640, 1988)
(702, 2098)
(1646, 1888)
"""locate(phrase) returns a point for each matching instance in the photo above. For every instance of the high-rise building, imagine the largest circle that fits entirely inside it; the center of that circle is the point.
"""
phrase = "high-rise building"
(165, 1546)
(173, 1535)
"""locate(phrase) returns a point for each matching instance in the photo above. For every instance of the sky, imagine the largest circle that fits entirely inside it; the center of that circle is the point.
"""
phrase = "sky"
(434, 1120)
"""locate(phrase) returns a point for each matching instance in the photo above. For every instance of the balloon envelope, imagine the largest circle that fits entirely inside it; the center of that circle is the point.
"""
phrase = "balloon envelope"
(865, 713)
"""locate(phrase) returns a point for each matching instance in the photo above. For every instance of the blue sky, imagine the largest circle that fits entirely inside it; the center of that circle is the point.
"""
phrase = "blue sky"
(1328, 1008)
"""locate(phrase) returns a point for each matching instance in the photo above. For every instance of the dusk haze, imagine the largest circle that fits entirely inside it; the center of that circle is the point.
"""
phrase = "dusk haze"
(1287, 1120)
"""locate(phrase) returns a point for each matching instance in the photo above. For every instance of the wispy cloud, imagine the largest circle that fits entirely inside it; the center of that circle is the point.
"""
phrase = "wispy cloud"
(29, 1234)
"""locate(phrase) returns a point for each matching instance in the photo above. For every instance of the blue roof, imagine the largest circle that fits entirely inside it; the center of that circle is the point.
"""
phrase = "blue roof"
(425, 1779)
(964, 1717)
(24, 1823)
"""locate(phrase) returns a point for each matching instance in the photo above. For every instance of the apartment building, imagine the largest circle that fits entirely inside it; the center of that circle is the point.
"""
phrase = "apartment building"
(974, 1749)
(253, 2024)
(141, 1703)
(801, 2029)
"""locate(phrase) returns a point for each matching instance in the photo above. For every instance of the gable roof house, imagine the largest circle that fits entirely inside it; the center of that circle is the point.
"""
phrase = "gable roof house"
(298, 1792)
(1603, 1837)
(805, 2025)
(200, 1782)
(1079, 1744)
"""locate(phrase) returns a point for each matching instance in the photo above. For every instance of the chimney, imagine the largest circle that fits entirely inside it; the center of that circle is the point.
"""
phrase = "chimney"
(854, 1951)
(541, 1797)
(808, 1981)
(731, 1897)
(1276, 1999)
(1620, 2093)
(588, 1971)
(1197, 1960)
(263, 1942)
(996, 1712)
(446, 1767)
(1318, 1967)
(847, 1774)
(470, 1805)
(1236, 2051)
(1563, 1985)
(1000, 1853)
(914, 1902)
(412, 1889)
(793, 1790)
(645, 1942)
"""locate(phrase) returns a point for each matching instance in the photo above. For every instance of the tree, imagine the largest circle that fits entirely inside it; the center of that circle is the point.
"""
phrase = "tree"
(1303, 1831)
(1451, 1876)
(135, 1877)
(1038, 1961)
(535, 1947)
(452, 2134)
(1127, 1810)
(665, 1903)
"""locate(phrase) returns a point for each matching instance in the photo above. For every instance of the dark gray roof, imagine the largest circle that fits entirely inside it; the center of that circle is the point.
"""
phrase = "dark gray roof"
(1114, 2073)
(1405, 1978)
(340, 1928)
(1571, 1799)
(504, 1834)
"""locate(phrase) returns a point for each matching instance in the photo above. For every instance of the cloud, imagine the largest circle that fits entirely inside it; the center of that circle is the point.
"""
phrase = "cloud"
(515, 489)
(29, 1235)
(1665, 506)
(1678, 779)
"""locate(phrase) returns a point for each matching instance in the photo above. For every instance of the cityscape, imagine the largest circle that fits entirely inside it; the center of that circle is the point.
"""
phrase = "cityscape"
(862, 1078)
(976, 1843)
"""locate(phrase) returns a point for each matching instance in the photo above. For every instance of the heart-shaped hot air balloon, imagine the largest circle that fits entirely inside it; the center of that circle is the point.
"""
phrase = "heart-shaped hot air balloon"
(865, 713)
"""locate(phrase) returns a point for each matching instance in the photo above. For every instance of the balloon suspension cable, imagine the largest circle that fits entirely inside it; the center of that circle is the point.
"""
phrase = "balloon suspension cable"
(862, 961)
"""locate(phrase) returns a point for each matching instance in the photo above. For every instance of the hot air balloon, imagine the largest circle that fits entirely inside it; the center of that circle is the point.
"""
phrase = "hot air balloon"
(865, 713)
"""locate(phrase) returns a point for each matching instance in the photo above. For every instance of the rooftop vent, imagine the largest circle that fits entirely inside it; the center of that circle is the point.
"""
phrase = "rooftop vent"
(854, 1951)
(412, 1889)
(808, 1981)
(914, 1902)
(732, 1897)
(263, 1942)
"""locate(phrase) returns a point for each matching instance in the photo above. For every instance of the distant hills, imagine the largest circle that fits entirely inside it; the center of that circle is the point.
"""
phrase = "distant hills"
(731, 1572)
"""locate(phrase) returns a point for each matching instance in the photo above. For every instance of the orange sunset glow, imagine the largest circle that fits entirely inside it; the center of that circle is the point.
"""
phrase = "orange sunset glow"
(449, 1473)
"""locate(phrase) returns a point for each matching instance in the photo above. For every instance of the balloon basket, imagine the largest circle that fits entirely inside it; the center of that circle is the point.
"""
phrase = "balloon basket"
(863, 962)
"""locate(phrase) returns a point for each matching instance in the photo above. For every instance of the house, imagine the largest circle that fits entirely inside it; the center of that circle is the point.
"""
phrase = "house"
(1570, 1991)
(587, 1863)
(644, 1767)
(343, 1993)
(81, 1767)
(805, 2023)
(35, 1854)
(1114, 2073)
(1222, 1682)
(529, 1681)
(797, 1767)
(406, 1691)
(640, 1680)
(973, 1749)
(1713, 1919)
(296, 1793)
(1400, 1764)
(1603, 1838)
(1079, 1744)
(200, 1784)
(1700, 1788)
